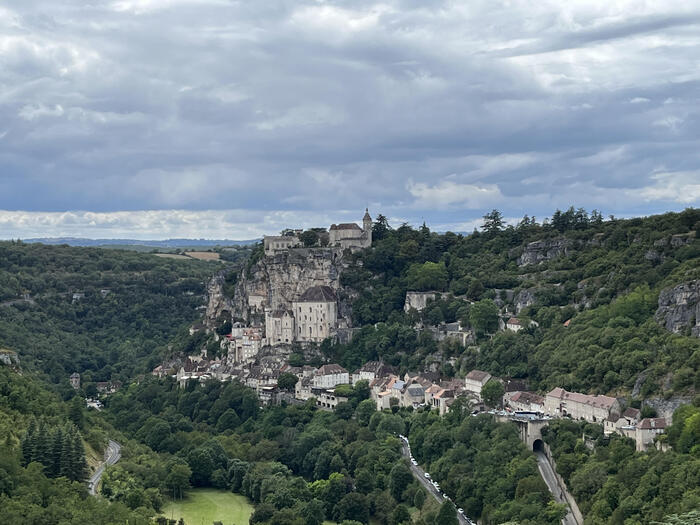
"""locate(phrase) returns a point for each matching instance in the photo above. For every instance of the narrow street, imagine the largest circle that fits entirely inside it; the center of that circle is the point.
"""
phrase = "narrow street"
(112, 455)
(419, 474)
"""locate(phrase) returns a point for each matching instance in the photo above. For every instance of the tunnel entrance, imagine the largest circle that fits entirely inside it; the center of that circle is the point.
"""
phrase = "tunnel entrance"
(538, 446)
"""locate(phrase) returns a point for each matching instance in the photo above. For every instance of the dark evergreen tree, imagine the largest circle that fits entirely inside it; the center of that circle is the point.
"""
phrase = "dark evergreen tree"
(65, 465)
(28, 442)
(79, 470)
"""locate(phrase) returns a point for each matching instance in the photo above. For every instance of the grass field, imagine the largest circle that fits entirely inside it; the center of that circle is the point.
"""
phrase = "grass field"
(204, 506)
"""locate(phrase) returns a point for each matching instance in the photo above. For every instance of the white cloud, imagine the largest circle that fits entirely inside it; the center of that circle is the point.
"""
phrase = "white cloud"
(233, 224)
(680, 187)
(449, 193)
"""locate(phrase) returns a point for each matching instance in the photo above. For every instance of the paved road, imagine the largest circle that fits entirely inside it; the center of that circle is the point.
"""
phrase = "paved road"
(112, 455)
(550, 479)
(419, 474)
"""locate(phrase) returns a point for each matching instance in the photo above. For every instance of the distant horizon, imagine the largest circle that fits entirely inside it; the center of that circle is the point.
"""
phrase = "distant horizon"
(256, 231)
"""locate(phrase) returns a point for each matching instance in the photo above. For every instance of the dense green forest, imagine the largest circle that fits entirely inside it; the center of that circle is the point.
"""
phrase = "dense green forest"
(103, 313)
(42, 459)
(604, 277)
(300, 465)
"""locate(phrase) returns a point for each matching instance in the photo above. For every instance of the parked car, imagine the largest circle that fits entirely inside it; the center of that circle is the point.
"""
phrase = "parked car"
(460, 510)
(427, 476)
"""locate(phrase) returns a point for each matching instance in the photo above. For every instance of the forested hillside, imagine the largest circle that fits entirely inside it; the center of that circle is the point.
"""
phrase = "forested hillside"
(42, 459)
(103, 313)
(600, 277)
(301, 465)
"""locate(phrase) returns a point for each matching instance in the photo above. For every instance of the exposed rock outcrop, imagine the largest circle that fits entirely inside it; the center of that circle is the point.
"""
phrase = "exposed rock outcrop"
(9, 358)
(524, 299)
(544, 250)
(275, 281)
(679, 308)
(218, 304)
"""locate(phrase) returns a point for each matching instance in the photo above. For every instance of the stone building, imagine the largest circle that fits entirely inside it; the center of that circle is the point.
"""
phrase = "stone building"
(328, 376)
(350, 235)
(475, 381)
(278, 243)
(279, 327)
(315, 314)
(594, 409)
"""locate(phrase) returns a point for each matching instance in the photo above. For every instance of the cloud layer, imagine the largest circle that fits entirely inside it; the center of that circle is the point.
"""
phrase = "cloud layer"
(432, 110)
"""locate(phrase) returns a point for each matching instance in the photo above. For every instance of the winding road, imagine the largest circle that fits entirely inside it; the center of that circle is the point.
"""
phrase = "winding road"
(112, 455)
(419, 474)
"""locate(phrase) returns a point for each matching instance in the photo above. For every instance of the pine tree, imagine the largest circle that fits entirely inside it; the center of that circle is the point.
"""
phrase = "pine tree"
(28, 442)
(42, 451)
(54, 469)
(66, 467)
(78, 462)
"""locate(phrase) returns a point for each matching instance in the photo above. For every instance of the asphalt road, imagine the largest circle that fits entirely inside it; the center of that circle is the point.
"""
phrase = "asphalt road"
(551, 481)
(112, 455)
(419, 474)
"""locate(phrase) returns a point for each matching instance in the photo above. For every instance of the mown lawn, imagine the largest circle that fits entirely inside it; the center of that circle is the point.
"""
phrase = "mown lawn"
(204, 506)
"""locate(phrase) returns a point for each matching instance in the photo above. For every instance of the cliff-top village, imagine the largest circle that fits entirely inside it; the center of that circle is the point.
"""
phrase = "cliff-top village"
(257, 351)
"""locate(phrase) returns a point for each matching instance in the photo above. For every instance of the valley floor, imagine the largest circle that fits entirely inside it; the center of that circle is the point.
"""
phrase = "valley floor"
(204, 506)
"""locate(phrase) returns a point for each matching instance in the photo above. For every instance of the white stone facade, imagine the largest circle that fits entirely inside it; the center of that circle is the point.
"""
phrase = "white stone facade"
(594, 409)
(328, 376)
(279, 327)
(278, 243)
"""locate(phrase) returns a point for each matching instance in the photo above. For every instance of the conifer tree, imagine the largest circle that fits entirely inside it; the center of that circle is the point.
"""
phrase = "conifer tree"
(66, 467)
(54, 468)
(78, 462)
(42, 450)
(28, 442)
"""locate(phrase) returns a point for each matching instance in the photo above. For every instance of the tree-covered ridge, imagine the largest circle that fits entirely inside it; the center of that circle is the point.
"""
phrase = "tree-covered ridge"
(42, 461)
(104, 312)
(614, 484)
(603, 276)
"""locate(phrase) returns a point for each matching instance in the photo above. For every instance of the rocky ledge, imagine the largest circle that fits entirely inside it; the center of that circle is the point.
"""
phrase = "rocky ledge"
(679, 308)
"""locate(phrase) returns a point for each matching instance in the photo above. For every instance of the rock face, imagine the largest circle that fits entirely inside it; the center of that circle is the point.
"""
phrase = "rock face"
(217, 303)
(540, 251)
(524, 299)
(9, 358)
(275, 281)
(679, 308)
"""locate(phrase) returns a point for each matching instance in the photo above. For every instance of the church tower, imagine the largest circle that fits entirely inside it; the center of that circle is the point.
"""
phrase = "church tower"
(367, 228)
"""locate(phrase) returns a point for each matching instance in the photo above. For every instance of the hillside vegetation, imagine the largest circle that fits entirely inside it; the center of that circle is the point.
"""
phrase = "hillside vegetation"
(103, 313)
(603, 276)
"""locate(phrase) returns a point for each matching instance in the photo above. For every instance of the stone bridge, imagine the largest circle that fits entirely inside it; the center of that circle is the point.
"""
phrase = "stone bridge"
(530, 428)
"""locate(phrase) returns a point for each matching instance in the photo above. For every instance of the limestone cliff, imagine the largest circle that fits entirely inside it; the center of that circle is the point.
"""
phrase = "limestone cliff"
(218, 304)
(679, 308)
(275, 281)
(540, 251)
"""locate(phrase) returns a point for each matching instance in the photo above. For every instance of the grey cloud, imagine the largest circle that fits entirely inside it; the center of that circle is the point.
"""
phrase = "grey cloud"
(435, 110)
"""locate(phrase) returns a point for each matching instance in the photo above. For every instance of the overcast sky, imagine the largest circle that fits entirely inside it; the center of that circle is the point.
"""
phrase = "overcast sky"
(230, 119)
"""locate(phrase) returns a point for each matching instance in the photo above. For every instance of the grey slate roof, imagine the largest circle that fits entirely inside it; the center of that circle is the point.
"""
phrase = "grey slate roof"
(318, 294)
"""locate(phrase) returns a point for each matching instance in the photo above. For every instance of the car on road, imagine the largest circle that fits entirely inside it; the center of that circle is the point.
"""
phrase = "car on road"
(427, 476)
(460, 510)
(445, 496)
(414, 462)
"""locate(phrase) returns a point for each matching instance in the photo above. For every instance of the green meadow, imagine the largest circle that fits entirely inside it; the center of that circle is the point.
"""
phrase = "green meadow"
(205, 506)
